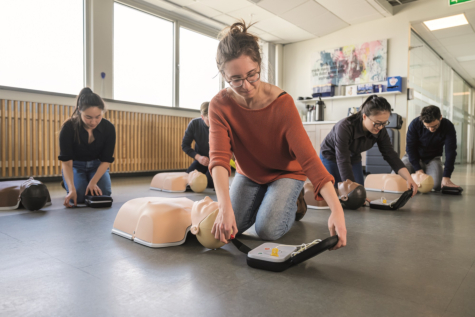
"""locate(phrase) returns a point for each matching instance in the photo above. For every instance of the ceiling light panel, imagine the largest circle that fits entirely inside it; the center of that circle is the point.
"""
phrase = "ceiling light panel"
(447, 22)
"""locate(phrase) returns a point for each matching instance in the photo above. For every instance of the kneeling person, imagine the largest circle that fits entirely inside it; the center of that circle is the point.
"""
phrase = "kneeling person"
(198, 130)
(426, 137)
(86, 144)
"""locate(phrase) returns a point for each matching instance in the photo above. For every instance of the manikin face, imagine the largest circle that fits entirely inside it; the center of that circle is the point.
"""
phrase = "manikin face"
(201, 209)
(91, 117)
(240, 68)
(433, 126)
(371, 123)
(346, 187)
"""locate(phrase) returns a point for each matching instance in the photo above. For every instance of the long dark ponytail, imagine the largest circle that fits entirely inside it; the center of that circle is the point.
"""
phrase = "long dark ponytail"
(84, 100)
(372, 106)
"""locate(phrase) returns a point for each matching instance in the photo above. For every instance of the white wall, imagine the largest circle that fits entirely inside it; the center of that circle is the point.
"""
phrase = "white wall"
(299, 57)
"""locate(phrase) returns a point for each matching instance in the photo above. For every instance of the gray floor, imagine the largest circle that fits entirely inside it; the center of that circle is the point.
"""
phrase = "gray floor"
(418, 261)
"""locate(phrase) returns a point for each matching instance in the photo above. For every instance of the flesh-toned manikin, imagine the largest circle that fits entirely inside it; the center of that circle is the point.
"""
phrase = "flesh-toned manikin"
(388, 183)
(424, 182)
(203, 215)
(176, 182)
(154, 221)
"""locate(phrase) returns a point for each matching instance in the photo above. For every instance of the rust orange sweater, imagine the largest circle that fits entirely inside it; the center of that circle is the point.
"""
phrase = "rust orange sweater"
(269, 144)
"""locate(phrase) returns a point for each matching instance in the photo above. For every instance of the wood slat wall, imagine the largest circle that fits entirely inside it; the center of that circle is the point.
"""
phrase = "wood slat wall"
(30, 140)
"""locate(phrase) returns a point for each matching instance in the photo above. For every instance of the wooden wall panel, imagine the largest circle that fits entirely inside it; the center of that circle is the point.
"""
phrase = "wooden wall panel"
(30, 140)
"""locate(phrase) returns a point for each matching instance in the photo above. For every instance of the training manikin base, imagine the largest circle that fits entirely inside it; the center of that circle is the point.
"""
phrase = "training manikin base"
(388, 183)
(156, 222)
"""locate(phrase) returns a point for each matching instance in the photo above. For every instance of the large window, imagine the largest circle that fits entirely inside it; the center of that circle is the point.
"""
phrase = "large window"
(42, 45)
(435, 83)
(199, 77)
(143, 57)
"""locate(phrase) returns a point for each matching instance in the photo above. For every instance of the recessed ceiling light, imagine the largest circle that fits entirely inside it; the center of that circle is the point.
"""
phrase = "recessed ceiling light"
(466, 58)
(447, 22)
(461, 93)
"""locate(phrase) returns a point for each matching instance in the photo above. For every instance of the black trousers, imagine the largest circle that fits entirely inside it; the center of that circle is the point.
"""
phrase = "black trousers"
(203, 169)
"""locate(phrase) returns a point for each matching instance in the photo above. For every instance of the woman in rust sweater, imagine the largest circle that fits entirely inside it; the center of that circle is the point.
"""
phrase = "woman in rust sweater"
(260, 124)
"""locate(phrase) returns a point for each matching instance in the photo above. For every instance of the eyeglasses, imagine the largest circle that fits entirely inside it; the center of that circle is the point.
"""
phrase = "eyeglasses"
(379, 124)
(432, 127)
(236, 83)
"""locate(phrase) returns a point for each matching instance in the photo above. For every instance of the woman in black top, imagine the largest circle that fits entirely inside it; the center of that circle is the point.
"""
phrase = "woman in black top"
(341, 149)
(86, 144)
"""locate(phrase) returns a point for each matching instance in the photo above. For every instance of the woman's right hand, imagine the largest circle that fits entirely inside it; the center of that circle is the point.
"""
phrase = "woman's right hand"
(71, 196)
(225, 225)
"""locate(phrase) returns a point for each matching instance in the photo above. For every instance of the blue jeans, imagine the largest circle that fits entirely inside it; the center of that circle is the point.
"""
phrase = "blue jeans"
(332, 168)
(271, 207)
(83, 172)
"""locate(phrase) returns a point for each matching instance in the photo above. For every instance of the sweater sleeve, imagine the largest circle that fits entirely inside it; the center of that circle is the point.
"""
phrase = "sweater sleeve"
(343, 138)
(187, 140)
(412, 139)
(220, 151)
(303, 150)
(450, 150)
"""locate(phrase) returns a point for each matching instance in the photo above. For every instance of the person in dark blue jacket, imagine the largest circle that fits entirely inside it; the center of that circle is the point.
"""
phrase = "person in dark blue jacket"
(198, 131)
(426, 137)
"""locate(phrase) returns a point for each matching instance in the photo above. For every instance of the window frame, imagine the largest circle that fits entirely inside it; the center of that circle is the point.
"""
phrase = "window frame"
(84, 62)
(178, 22)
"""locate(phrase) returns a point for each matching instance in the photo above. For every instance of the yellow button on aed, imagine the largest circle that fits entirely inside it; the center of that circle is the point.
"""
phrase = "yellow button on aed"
(275, 252)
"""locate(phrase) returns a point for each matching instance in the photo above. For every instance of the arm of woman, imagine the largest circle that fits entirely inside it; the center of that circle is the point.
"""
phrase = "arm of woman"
(313, 167)
(404, 172)
(336, 222)
(220, 153)
(225, 224)
(69, 177)
(92, 186)
(106, 157)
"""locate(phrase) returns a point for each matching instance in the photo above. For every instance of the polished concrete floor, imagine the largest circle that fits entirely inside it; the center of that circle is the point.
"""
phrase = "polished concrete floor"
(418, 261)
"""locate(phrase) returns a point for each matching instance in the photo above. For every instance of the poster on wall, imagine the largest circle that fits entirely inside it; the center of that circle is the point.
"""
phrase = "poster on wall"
(352, 64)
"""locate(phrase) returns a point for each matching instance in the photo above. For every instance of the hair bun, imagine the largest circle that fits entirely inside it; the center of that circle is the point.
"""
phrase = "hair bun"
(86, 90)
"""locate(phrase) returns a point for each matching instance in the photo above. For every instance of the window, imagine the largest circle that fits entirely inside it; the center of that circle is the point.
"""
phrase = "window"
(199, 76)
(143, 57)
(42, 45)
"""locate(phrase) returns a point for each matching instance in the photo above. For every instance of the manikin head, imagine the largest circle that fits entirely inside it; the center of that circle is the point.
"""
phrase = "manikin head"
(351, 194)
(203, 216)
(424, 182)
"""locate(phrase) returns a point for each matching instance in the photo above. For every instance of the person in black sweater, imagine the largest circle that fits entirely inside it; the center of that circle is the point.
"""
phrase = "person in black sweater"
(341, 149)
(198, 130)
(86, 144)
(426, 137)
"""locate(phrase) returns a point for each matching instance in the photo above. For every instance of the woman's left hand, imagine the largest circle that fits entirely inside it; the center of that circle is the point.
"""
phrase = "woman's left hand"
(93, 189)
(337, 226)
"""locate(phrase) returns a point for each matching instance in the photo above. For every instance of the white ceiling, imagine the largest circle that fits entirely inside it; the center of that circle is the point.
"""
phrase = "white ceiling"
(281, 21)
(454, 44)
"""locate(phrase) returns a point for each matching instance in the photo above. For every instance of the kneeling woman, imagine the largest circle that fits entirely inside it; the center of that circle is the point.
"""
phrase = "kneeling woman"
(342, 147)
(86, 143)
(260, 124)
